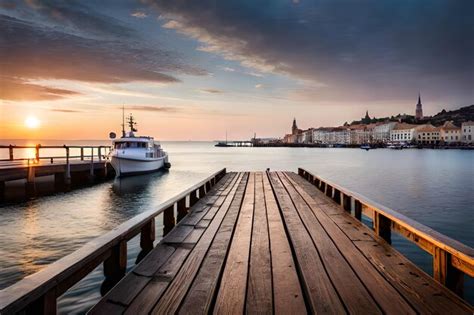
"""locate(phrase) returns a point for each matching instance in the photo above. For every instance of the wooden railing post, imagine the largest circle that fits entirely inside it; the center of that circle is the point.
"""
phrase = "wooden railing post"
(99, 153)
(37, 154)
(329, 190)
(168, 220)
(82, 154)
(382, 227)
(300, 172)
(182, 210)
(337, 196)
(116, 264)
(346, 203)
(358, 210)
(201, 192)
(67, 175)
(445, 273)
(208, 186)
(10, 152)
(147, 235)
(46, 305)
(193, 198)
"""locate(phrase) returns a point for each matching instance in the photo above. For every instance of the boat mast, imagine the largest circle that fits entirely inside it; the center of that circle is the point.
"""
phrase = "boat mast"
(123, 121)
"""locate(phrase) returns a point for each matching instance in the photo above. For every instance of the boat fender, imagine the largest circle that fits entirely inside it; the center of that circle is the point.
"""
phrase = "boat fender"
(167, 165)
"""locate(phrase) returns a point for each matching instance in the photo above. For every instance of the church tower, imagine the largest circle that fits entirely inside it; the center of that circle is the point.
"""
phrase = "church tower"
(294, 128)
(419, 109)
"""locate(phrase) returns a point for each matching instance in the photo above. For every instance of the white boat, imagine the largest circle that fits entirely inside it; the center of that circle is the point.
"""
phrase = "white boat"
(132, 155)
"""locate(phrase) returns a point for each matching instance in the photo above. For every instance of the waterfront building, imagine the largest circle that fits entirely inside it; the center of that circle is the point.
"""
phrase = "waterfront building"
(361, 134)
(427, 134)
(467, 132)
(319, 134)
(294, 135)
(403, 132)
(419, 109)
(307, 136)
(450, 133)
(381, 132)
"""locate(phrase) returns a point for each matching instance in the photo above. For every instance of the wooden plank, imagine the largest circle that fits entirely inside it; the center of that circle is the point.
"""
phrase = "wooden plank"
(154, 260)
(202, 292)
(424, 293)
(259, 288)
(231, 296)
(172, 297)
(178, 234)
(287, 295)
(320, 294)
(382, 291)
(355, 230)
(352, 291)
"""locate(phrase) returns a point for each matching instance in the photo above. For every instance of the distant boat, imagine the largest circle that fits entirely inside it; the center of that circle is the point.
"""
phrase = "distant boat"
(366, 147)
(222, 143)
(133, 155)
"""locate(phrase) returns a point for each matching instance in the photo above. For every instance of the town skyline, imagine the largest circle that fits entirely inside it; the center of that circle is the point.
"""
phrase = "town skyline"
(191, 71)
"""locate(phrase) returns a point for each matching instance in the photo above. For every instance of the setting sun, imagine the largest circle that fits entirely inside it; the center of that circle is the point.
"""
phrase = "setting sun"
(32, 122)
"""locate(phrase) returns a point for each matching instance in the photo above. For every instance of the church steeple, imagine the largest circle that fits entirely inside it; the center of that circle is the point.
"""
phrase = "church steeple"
(419, 108)
(366, 119)
(294, 128)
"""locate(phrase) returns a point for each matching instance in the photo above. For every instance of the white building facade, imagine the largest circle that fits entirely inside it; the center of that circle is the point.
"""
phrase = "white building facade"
(467, 132)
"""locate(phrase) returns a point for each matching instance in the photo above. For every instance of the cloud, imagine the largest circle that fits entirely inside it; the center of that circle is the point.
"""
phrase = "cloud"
(150, 108)
(211, 91)
(29, 51)
(64, 110)
(14, 89)
(259, 86)
(228, 69)
(351, 48)
(139, 14)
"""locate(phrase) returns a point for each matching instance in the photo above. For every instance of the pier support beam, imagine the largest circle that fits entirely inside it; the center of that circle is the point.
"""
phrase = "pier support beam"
(30, 186)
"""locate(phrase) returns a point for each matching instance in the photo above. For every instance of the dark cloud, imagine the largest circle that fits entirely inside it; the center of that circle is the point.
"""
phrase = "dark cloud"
(354, 48)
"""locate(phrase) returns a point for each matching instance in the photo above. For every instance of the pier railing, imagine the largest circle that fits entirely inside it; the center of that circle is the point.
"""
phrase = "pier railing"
(94, 151)
(37, 294)
(451, 259)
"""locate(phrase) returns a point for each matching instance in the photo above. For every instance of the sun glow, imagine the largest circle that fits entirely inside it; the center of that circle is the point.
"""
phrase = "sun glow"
(32, 122)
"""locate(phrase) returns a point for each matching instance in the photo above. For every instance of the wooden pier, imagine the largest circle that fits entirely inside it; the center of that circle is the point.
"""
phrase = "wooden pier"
(88, 163)
(263, 242)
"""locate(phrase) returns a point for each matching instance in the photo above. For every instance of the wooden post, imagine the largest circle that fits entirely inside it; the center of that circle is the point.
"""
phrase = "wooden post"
(445, 273)
(147, 235)
(116, 264)
(99, 153)
(317, 182)
(346, 202)
(10, 151)
(37, 154)
(2, 191)
(382, 227)
(182, 210)
(337, 196)
(208, 186)
(82, 154)
(91, 172)
(30, 185)
(329, 191)
(300, 172)
(67, 175)
(46, 304)
(322, 187)
(358, 210)
(168, 220)
(202, 192)
(192, 198)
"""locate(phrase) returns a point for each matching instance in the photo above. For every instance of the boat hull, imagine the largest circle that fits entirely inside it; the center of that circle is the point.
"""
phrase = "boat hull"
(127, 167)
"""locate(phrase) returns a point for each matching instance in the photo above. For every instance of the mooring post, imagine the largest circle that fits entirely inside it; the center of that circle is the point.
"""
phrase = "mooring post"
(147, 235)
(182, 210)
(168, 220)
(10, 151)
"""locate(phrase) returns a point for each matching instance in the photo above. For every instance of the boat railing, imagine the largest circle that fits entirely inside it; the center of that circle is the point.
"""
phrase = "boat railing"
(38, 293)
(451, 259)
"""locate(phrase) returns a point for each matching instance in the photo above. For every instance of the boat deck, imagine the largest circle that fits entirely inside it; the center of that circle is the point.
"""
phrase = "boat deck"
(273, 243)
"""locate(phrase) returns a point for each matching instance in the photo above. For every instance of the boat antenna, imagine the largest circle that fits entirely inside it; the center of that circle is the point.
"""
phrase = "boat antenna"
(123, 121)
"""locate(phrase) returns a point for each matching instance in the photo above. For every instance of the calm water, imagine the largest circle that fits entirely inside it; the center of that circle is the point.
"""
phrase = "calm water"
(434, 187)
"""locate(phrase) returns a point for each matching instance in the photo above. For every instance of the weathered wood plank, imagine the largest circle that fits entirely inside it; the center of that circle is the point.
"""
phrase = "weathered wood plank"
(287, 295)
(389, 299)
(352, 291)
(259, 288)
(203, 289)
(425, 294)
(320, 293)
(172, 297)
(231, 296)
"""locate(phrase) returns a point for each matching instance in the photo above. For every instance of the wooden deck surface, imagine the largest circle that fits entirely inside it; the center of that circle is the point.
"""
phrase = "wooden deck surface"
(272, 243)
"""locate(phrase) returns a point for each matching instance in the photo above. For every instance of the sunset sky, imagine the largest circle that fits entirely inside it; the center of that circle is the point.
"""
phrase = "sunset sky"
(190, 70)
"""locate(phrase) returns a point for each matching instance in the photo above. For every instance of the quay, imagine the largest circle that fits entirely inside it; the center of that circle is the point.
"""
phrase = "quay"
(89, 163)
(261, 242)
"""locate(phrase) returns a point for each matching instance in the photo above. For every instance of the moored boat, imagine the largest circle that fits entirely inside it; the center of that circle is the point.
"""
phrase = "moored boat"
(133, 154)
